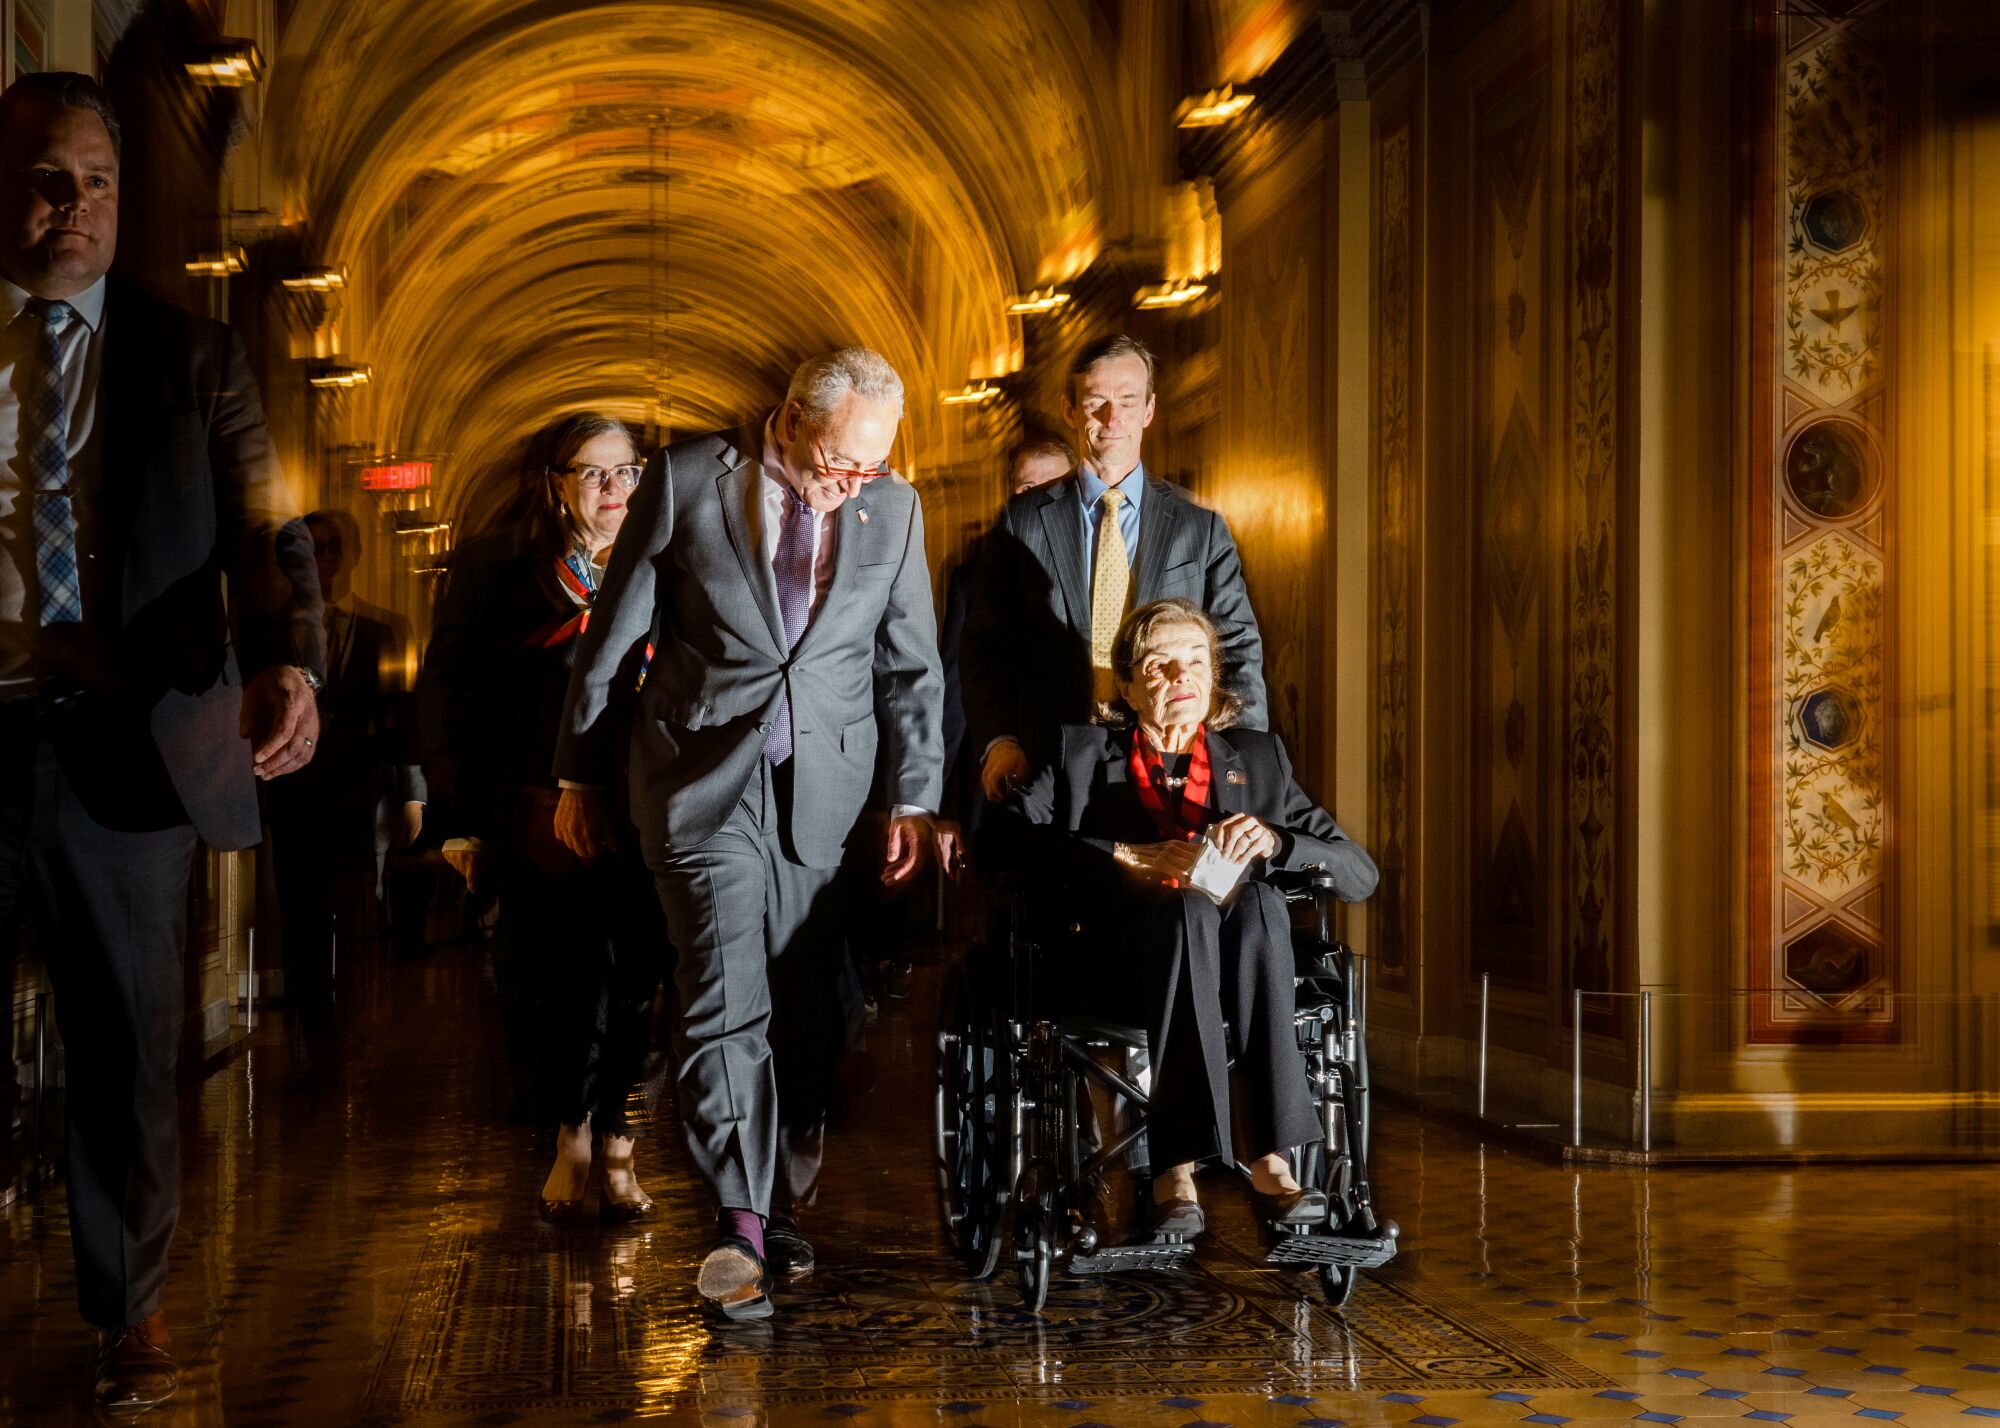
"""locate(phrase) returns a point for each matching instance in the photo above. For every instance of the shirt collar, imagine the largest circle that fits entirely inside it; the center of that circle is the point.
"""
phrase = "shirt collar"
(1091, 489)
(88, 304)
(776, 488)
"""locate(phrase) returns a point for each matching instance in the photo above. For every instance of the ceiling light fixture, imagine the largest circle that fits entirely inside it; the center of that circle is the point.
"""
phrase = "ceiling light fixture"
(1176, 294)
(218, 263)
(228, 64)
(1218, 106)
(1039, 301)
(343, 376)
(316, 279)
(972, 394)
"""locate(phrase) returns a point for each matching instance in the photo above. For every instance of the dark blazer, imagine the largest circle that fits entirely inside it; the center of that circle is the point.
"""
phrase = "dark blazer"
(961, 773)
(490, 697)
(1025, 654)
(367, 745)
(1083, 799)
(686, 577)
(192, 501)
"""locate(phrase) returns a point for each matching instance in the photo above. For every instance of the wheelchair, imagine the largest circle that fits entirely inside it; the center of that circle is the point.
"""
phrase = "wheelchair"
(1018, 1161)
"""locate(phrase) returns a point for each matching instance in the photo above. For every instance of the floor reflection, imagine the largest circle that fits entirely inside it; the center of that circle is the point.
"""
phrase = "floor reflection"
(367, 1251)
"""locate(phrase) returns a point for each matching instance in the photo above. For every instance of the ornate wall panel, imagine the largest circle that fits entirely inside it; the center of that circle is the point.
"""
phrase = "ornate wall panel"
(1393, 578)
(1591, 772)
(1514, 660)
(1271, 473)
(1820, 821)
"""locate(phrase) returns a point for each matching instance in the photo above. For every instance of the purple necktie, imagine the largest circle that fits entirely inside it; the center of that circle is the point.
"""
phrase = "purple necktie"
(794, 566)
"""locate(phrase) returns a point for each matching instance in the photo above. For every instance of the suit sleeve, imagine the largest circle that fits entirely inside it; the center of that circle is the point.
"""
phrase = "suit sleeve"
(991, 663)
(1309, 840)
(274, 590)
(909, 685)
(1228, 603)
(621, 617)
(1030, 830)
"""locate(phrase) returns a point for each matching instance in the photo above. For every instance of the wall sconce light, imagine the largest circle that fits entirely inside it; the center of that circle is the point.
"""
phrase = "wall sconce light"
(343, 376)
(218, 263)
(316, 279)
(1218, 106)
(1175, 294)
(972, 394)
(229, 64)
(1039, 301)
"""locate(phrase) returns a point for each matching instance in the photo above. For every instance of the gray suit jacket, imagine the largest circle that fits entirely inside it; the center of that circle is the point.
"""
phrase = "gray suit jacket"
(685, 575)
(1025, 656)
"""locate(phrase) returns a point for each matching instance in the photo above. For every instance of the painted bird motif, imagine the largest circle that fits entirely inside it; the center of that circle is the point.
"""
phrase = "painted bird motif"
(1829, 621)
(1837, 814)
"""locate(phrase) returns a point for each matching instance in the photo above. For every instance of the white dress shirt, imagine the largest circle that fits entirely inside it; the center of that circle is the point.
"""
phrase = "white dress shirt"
(81, 344)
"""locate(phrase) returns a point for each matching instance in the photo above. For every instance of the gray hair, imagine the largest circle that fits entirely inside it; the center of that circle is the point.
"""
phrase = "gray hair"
(65, 90)
(821, 384)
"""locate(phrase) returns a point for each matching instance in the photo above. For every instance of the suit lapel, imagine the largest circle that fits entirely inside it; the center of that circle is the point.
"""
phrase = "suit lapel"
(1159, 519)
(1062, 527)
(734, 489)
(128, 407)
(1226, 795)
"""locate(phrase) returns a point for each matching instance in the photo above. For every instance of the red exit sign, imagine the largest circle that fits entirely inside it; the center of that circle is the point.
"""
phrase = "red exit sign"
(396, 476)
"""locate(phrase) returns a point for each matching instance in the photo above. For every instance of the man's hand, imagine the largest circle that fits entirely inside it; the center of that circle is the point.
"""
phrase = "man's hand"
(280, 719)
(583, 823)
(1005, 770)
(409, 825)
(1240, 837)
(1167, 865)
(910, 835)
(951, 849)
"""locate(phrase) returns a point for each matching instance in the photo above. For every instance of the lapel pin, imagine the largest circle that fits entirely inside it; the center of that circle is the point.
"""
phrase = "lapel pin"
(861, 514)
(1235, 776)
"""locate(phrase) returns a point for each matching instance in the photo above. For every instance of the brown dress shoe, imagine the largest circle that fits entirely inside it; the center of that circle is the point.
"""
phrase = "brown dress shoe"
(135, 1366)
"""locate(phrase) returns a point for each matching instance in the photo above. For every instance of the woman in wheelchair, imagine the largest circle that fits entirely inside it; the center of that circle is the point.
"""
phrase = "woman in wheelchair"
(1124, 815)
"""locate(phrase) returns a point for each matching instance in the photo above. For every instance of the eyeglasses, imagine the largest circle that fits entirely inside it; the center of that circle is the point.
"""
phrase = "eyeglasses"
(826, 468)
(599, 478)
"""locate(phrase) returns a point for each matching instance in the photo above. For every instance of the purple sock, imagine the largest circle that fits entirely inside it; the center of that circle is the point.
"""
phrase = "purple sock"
(747, 1224)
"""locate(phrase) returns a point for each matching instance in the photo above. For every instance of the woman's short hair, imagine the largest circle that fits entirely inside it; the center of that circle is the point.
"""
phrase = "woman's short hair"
(1136, 633)
(552, 527)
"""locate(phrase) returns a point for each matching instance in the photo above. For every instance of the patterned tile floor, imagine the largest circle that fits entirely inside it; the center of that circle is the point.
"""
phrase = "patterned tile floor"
(369, 1254)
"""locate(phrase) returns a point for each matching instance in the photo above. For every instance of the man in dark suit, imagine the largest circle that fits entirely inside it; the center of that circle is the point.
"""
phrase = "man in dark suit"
(363, 791)
(136, 480)
(1066, 561)
(779, 575)
(1036, 462)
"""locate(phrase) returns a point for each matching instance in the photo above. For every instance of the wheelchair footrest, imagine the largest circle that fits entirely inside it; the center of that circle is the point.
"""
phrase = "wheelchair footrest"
(1355, 1251)
(1146, 1254)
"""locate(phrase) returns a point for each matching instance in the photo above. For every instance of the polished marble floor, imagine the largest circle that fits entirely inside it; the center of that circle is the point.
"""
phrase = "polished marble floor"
(368, 1253)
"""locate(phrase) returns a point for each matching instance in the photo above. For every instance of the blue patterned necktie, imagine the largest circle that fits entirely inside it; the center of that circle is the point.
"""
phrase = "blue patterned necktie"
(794, 566)
(44, 444)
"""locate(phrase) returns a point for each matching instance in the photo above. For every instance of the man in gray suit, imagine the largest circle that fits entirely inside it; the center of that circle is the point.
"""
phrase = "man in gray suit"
(1055, 577)
(785, 593)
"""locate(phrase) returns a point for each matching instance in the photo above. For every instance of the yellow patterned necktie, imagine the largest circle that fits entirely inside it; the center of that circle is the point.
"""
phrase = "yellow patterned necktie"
(1110, 583)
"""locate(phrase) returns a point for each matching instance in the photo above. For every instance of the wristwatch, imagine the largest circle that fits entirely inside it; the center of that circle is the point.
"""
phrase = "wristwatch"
(313, 681)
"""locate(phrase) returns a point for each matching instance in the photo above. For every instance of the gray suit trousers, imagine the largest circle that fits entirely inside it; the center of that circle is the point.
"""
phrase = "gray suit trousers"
(759, 938)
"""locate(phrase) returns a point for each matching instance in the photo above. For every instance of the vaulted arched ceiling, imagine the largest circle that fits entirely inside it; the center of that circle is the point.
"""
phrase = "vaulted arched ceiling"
(660, 207)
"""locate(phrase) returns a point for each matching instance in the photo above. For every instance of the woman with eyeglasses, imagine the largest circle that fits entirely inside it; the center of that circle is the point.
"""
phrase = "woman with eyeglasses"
(582, 946)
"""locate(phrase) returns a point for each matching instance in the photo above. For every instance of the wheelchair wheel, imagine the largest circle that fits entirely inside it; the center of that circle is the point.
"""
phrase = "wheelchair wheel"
(971, 1109)
(1339, 1281)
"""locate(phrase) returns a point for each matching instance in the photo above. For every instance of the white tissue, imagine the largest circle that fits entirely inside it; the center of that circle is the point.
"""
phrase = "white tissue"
(1215, 875)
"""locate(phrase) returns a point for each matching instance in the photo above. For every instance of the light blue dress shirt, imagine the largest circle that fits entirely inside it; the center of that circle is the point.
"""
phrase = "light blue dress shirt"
(1090, 490)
